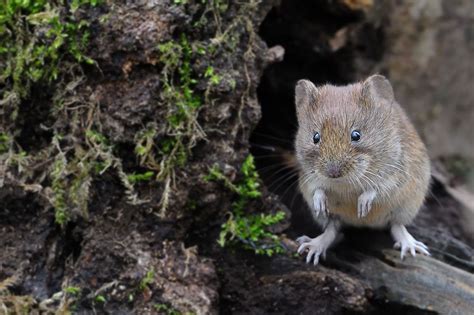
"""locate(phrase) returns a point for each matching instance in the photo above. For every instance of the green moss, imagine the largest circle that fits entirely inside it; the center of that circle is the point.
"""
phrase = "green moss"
(250, 231)
(29, 56)
(144, 143)
(182, 102)
(180, 1)
(73, 290)
(178, 55)
(214, 78)
(215, 174)
(42, 44)
(141, 177)
(96, 137)
(39, 41)
(168, 310)
(58, 186)
(72, 174)
(4, 142)
(147, 280)
(70, 183)
(173, 151)
(249, 187)
(100, 299)
(186, 68)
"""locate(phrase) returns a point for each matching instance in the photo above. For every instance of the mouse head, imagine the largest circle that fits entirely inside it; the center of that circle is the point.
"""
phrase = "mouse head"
(346, 132)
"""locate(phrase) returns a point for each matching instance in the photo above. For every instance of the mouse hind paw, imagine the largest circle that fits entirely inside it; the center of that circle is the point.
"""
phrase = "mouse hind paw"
(316, 247)
(407, 243)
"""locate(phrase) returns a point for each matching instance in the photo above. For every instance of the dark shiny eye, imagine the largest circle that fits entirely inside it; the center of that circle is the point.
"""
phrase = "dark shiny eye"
(355, 135)
(316, 138)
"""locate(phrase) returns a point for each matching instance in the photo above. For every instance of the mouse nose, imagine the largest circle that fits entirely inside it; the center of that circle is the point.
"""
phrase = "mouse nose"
(333, 170)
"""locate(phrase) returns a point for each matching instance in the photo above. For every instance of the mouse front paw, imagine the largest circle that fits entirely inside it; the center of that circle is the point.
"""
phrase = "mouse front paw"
(364, 203)
(320, 203)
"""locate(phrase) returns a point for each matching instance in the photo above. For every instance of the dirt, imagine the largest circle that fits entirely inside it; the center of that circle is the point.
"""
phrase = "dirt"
(110, 251)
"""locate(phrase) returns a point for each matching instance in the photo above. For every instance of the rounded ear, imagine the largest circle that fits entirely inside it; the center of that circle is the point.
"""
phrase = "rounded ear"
(376, 89)
(305, 96)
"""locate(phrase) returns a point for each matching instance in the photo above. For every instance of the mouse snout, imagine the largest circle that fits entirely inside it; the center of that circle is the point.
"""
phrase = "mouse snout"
(334, 169)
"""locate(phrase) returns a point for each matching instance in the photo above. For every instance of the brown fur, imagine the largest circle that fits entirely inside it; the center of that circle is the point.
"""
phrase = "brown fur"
(390, 158)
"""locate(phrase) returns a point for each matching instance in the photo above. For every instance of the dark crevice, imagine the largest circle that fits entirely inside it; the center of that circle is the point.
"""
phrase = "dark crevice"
(383, 306)
(34, 120)
(62, 247)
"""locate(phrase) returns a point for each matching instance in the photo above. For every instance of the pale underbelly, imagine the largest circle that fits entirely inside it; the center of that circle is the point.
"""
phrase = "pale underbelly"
(346, 211)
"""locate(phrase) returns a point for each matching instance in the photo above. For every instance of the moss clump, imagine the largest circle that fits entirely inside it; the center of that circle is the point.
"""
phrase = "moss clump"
(182, 103)
(250, 231)
(147, 280)
(4, 142)
(42, 45)
(168, 310)
(35, 37)
(140, 177)
(191, 82)
(39, 42)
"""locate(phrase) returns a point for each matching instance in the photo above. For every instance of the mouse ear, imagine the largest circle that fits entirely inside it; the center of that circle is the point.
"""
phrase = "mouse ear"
(305, 96)
(376, 89)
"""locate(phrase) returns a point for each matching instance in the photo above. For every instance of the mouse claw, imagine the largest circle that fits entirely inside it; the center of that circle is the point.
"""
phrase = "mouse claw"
(320, 203)
(364, 203)
(303, 239)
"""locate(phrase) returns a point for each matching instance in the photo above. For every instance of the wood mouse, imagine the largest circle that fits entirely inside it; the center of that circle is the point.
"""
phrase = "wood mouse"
(361, 162)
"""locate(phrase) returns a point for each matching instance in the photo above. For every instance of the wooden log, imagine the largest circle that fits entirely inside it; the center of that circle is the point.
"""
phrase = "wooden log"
(422, 282)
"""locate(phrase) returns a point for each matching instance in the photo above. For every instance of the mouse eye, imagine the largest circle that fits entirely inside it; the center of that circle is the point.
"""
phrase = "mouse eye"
(355, 135)
(316, 138)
